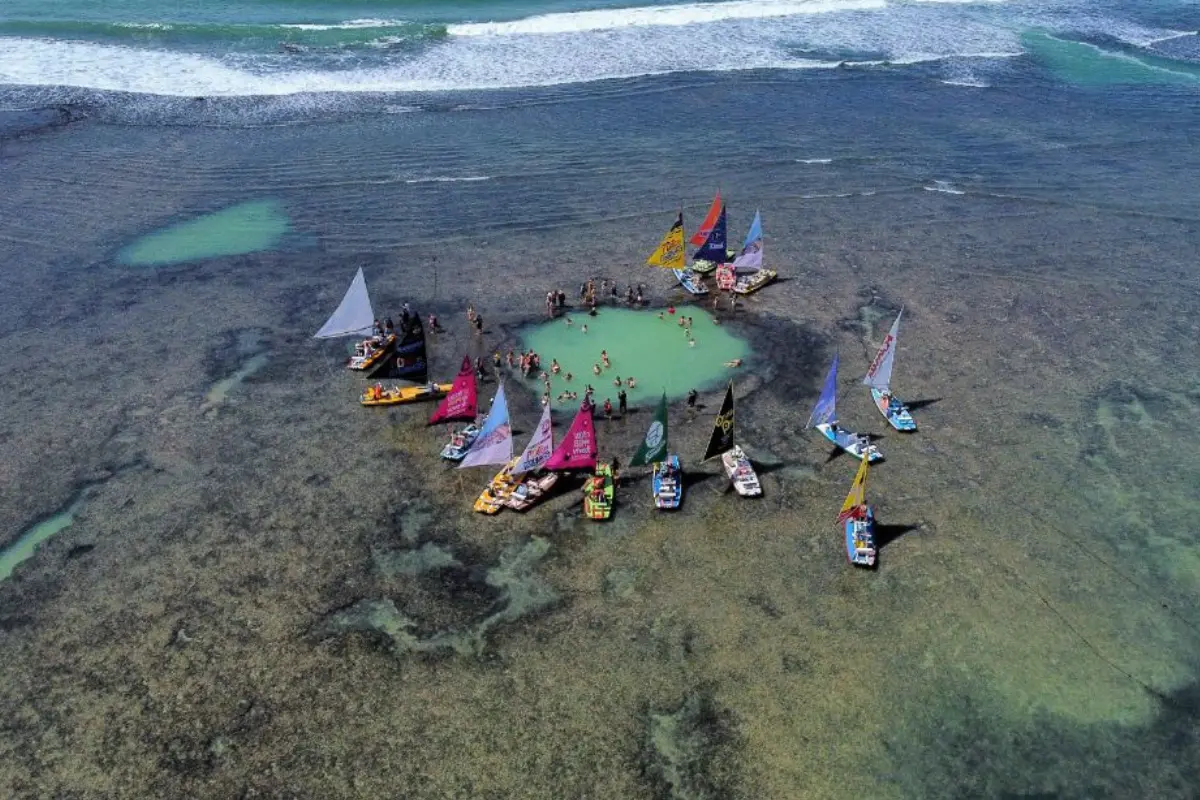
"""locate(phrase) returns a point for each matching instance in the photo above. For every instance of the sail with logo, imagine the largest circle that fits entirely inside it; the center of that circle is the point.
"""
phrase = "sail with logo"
(670, 255)
(879, 378)
(737, 465)
(666, 477)
(577, 450)
(460, 404)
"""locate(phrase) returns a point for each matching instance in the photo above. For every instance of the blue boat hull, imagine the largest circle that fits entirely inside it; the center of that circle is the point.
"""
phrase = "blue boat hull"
(850, 442)
(667, 488)
(687, 279)
(894, 411)
(860, 540)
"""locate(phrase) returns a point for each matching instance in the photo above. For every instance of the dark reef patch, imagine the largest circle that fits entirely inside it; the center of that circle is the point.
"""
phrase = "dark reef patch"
(691, 753)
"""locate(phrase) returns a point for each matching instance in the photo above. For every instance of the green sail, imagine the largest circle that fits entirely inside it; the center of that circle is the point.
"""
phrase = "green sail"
(654, 447)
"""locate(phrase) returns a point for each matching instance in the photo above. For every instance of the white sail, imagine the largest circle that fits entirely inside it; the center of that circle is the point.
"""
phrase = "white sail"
(494, 443)
(540, 446)
(354, 316)
(879, 376)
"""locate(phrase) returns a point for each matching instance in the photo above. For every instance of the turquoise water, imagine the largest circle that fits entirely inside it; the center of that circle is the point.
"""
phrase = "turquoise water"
(26, 545)
(244, 228)
(655, 351)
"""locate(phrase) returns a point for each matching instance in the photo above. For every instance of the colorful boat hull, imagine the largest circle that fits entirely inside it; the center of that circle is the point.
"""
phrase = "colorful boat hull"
(852, 443)
(894, 411)
(666, 482)
(492, 499)
(531, 491)
(363, 363)
(690, 283)
(459, 443)
(399, 395)
(598, 494)
(860, 538)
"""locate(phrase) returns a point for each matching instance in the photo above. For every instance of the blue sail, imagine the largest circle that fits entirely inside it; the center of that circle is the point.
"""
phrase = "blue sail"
(713, 248)
(755, 231)
(826, 409)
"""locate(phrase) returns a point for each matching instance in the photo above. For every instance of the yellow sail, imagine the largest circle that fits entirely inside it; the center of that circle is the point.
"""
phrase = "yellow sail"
(858, 492)
(669, 252)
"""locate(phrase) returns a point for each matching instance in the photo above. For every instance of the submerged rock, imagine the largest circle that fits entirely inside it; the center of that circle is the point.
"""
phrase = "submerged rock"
(689, 751)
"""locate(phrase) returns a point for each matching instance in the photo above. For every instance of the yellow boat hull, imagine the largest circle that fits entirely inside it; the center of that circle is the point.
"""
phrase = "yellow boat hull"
(405, 394)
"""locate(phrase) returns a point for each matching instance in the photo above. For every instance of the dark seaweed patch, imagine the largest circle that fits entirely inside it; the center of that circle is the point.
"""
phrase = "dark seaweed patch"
(691, 753)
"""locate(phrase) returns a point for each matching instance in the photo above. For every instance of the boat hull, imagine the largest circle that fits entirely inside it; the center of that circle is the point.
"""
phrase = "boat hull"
(492, 499)
(752, 283)
(741, 473)
(381, 352)
(598, 499)
(852, 443)
(456, 448)
(531, 491)
(894, 411)
(666, 482)
(860, 539)
(399, 395)
(687, 279)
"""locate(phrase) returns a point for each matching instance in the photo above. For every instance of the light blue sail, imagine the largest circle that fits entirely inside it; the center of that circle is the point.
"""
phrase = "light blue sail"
(755, 231)
(826, 409)
(494, 443)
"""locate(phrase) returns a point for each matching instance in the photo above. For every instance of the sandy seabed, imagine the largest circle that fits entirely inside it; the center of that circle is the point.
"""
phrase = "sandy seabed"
(273, 592)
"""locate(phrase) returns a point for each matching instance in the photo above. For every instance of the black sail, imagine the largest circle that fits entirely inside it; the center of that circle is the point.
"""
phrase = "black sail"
(408, 359)
(722, 435)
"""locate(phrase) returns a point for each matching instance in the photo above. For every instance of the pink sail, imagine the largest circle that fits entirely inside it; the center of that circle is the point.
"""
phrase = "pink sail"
(460, 404)
(578, 448)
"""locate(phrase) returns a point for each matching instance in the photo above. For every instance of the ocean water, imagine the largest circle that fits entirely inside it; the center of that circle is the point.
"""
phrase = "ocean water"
(271, 590)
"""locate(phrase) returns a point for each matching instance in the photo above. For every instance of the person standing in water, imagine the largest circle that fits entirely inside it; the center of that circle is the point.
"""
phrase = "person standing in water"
(623, 407)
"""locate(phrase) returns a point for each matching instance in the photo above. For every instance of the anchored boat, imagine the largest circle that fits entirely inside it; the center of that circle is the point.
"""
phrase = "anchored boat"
(460, 442)
(666, 480)
(748, 266)
(737, 466)
(824, 419)
(536, 483)
(858, 521)
(879, 378)
(598, 493)
(355, 317)
(670, 255)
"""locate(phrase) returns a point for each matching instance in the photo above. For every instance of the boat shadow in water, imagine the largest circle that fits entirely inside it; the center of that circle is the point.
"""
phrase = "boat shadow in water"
(914, 405)
(886, 534)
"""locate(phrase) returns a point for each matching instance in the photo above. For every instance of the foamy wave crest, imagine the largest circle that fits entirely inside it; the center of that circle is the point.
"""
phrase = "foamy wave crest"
(943, 186)
(449, 179)
(349, 25)
(677, 15)
(814, 160)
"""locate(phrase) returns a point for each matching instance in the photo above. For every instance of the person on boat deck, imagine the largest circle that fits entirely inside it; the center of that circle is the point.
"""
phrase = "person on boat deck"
(378, 391)
(377, 328)
(389, 328)
(864, 443)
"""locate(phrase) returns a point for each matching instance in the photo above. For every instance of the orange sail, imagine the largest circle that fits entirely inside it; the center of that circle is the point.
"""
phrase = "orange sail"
(710, 219)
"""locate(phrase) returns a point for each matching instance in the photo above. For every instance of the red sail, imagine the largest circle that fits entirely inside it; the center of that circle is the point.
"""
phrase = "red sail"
(578, 448)
(710, 219)
(459, 405)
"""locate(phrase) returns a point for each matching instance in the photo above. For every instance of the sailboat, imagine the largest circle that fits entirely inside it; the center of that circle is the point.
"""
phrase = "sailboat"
(858, 520)
(355, 317)
(824, 419)
(459, 406)
(712, 250)
(408, 361)
(494, 445)
(670, 255)
(536, 482)
(737, 466)
(750, 261)
(879, 378)
(666, 479)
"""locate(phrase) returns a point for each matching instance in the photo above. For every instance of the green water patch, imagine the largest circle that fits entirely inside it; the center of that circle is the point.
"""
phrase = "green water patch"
(248, 227)
(649, 346)
(26, 544)
(1086, 64)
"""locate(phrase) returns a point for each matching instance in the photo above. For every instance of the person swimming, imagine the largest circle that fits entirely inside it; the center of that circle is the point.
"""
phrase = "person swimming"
(554, 367)
(737, 362)
(595, 369)
(631, 383)
(617, 381)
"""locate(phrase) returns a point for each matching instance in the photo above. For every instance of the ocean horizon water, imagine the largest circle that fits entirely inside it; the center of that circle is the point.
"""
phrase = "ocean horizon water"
(224, 577)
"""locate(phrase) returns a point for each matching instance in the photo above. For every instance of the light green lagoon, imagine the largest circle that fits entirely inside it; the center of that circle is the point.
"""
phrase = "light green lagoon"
(1082, 63)
(655, 352)
(245, 228)
(25, 546)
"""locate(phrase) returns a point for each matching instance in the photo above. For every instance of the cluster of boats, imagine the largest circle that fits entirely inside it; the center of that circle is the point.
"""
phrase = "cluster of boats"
(741, 273)
(525, 480)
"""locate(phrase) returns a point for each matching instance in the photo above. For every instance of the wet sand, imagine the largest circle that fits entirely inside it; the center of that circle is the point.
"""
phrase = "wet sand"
(271, 591)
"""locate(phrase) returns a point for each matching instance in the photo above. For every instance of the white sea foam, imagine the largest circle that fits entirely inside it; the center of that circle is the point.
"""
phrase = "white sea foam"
(814, 160)
(449, 179)
(348, 25)
(943, 186)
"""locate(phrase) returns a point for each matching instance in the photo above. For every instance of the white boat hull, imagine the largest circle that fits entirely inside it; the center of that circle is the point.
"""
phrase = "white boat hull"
(741, 473)
(852, 443)
(689, 281)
